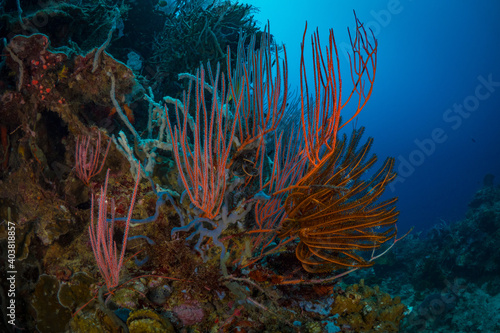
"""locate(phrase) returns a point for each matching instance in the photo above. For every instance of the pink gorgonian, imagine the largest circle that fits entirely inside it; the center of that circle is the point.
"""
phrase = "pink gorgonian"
(101, 239)
(87, 157)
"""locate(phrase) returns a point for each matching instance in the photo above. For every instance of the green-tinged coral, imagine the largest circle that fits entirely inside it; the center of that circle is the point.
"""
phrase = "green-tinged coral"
(128, 297)
(367, 309)
(76, 292)
(85, 322)
(147, 321)
(314, 327)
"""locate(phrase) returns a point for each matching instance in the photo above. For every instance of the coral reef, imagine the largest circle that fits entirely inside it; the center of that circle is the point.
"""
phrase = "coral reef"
(205, 241)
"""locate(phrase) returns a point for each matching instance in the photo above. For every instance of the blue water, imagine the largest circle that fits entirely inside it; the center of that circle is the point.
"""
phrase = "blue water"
(430, 108)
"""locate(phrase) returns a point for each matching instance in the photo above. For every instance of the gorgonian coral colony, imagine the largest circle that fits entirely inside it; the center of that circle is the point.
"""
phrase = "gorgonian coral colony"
(229, 139)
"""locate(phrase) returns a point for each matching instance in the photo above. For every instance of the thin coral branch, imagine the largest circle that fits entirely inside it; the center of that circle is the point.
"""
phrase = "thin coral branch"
(321, 116)
(87, 157)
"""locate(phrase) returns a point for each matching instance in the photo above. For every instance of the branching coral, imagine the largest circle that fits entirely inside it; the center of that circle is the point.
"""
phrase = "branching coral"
(195, 33)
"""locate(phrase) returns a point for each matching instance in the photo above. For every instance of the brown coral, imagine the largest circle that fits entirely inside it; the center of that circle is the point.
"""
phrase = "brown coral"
(364, 309)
